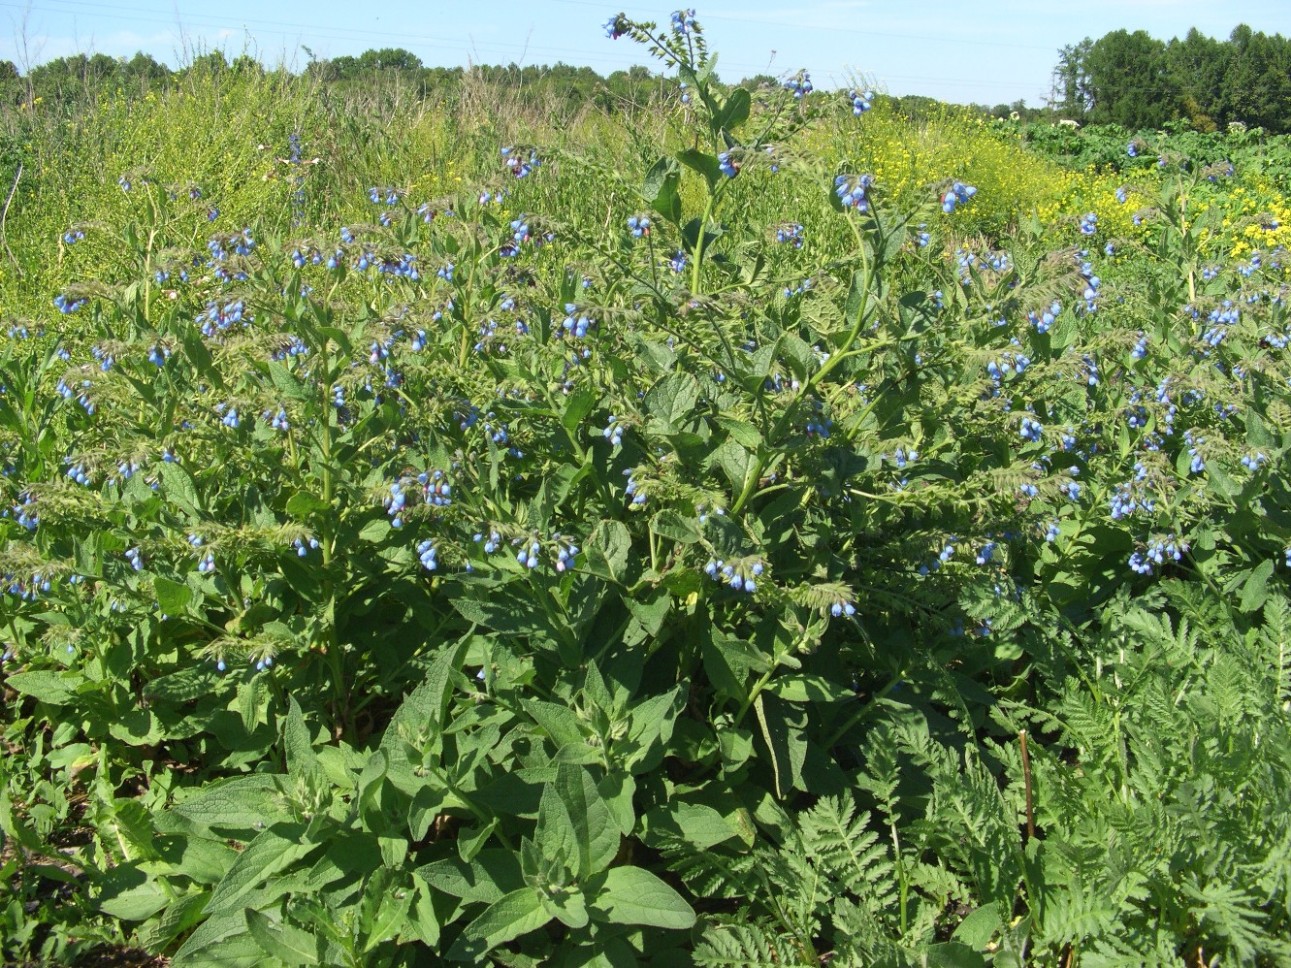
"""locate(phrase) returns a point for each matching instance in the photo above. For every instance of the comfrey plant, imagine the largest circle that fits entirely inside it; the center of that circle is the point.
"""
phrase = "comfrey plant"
(525, 586)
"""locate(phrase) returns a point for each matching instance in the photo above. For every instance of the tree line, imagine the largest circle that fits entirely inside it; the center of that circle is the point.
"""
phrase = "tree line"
(68, 79)
(1137, 81)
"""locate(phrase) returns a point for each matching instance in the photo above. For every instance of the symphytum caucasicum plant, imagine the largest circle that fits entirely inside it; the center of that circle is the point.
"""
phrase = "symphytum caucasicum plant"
(479, 581)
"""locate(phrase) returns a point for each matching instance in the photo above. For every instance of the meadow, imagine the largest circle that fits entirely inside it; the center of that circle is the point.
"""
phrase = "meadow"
(746, 528)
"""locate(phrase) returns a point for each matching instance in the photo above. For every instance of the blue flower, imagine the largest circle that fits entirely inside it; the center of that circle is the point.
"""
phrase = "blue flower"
(853, 191)
(800, 85)
(616, 26)
(959, 194)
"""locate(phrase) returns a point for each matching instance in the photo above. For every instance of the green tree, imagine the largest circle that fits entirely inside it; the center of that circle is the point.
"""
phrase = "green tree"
(1070, 95)
(1196, 67)
(1127, 81)
(1257, 85)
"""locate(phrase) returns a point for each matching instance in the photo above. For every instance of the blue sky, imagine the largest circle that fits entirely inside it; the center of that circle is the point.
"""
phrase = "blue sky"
(995, 52)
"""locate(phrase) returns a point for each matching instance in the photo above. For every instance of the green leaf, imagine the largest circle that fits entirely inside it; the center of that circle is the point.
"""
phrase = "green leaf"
(221, 942)
(576, 408)
(702, 162)
(272, 851)
(697, 823)
(809, 688)
(238, 804)
(979, 928)
(1255, 589)
(671, 401)
(286, 942)
(952, 954)
(596, 835)
(302, 504)
(177, 487)
(734, 111)
(567, 907)
(734, 461)
(660, 190)
(504, 612)
(376, 531)
(675, 526)
(136, 903)
(55, 688)
(632, 895)
(504, 920)
(493, 873)
(741, 432)
(172, 597)
(650, 728)
(301, 758)
(286, 383)
(786, 743)
(608, 549)
(559, 722)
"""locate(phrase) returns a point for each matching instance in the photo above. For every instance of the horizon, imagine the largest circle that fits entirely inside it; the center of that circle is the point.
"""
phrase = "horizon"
(840, 42)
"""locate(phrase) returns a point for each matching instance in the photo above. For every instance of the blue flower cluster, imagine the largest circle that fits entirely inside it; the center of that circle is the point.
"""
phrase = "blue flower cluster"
(1088, 223)
(1092, 285)
(800, 85)
(68, 305)
(802, 287)
(1220, 318)
(842, 609)
(947, 552)
(633, 488)
(1156, 553)
(740, 576)
(78, 472)
(1043, 319)
(1031, 430)
(613, 432)
(639, 225)
(853, 191)
(434, 490)
(529, 556)
(566, 553)
(577, 322)
(790, 233)
(862, 101)
(220, 316)
(228, 415)
(1126, 501)
(683, 21)
(426, 554)
(517, 164)
(616, 26)
(1197, 464)
(1008, 364)
(729, 164)
(25, 512)
(206, 558)
(958, 195)
(277, 420)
